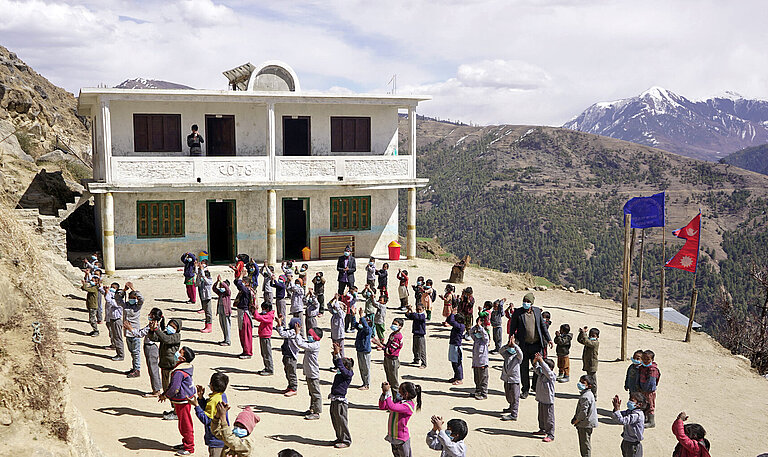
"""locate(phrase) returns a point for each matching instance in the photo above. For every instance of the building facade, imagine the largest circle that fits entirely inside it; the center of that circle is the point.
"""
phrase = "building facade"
(280, 170)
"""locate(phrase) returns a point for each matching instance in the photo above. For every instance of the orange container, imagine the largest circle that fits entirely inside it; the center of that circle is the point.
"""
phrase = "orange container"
(306, 253)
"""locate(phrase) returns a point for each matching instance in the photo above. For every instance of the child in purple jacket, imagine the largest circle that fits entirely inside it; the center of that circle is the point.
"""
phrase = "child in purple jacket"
(180, 390)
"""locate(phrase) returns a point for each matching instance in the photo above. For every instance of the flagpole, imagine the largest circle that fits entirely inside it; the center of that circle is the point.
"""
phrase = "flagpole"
(640, 275)
(694, 295)
(629, 267)
(663, 271)
(625, 286)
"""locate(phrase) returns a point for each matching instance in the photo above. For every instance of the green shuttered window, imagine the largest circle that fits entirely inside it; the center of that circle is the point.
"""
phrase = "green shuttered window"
(350, 213)
(160, 219)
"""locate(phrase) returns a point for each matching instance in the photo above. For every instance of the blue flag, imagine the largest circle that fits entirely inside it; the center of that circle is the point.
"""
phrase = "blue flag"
(646, 211)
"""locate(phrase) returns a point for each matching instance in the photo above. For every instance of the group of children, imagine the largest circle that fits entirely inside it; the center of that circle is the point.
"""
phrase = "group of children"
(170, 369)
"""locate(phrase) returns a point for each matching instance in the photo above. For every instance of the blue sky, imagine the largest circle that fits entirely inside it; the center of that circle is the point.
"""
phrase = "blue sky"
(483, 61)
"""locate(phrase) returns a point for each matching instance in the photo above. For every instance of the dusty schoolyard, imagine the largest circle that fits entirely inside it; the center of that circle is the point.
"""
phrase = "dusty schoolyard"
(714, 388)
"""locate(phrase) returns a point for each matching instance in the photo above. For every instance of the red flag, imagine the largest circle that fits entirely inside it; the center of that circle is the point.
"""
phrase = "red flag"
(688, 256)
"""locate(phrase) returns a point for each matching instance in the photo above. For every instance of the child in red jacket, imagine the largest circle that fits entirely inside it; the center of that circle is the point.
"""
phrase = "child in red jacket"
(649, 376)
(690, 437)
(265, 320)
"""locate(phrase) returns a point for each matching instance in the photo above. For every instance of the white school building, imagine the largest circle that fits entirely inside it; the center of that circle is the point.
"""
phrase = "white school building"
(280, 170)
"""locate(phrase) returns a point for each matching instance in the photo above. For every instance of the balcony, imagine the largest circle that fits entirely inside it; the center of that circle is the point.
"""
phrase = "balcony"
(148, 171)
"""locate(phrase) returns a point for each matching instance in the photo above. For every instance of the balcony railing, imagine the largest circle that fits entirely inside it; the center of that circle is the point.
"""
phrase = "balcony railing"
(256, 169)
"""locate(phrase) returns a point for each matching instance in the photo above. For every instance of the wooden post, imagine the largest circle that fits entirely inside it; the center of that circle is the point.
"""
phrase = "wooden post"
(640, 275)
(663, 271)
(625, 285)
(629, 268)
(694, 296)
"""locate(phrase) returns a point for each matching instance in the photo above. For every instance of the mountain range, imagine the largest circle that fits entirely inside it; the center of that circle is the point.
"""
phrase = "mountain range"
(707, 129)
(142, 83)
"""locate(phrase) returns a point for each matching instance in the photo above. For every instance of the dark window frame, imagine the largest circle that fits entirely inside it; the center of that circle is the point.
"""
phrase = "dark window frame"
(350, 213)
(156, 132)
(160, 219)
(350, 134)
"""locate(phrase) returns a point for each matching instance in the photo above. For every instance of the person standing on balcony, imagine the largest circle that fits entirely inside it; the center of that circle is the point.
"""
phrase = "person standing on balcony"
(195, 141)
(346, 267)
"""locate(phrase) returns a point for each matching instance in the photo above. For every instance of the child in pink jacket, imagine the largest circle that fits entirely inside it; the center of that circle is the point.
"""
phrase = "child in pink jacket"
(400, 411)
(265, 319)
(690, 437)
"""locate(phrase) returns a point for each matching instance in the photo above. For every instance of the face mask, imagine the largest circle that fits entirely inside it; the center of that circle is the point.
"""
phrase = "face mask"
(354, 294)
(346, 253)
(581, 386)
(91, 283)
(310, 339)
(418, 283)
(170, 330)
(360, 326)
(526, 305)
(631, 405)
(643, 364)
(448, 432)
(131, 301)
(478, 335)
(112, 289)
(592, 338)
(394, 328)
(240, 432)
(93, 257)
(371, 263)
(637, 362)
(222, 290)
(511, 351)
(177, 355)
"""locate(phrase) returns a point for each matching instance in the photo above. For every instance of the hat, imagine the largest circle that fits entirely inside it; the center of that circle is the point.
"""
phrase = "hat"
(294, 320)
(529, 297)
(248, 419)
(316, 333)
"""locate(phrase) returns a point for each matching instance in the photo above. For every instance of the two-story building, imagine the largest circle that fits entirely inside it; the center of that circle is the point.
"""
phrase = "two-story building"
(281, 170)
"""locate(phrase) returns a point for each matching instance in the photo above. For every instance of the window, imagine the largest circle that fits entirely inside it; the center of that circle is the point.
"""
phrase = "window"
(350, 213)
(350, 134)
(157, 132)
(160, 219)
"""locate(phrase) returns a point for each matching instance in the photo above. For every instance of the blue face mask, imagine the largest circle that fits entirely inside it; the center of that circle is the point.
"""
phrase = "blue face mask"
(177, 355)
(478, 335)
(592, 338)
(637, 362)
(170, 330)
(581, 386)
(91, 283)
(526, 305)
(131, 301)
(511, 351)
(310, 339)
(448, 432)
(371, 263)
(394, 327)
(631, 405)
(222, 290)
(240, 432)
(646, 365)
(346, 253)
(360, 326)
(93, 257)
(112, 289)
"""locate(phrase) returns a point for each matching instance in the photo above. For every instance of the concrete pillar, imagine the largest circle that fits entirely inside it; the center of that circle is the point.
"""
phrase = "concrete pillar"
(410, 243)
(106, 139)
(271, 227)
(412, 143)
(271, 141)
(108, 240)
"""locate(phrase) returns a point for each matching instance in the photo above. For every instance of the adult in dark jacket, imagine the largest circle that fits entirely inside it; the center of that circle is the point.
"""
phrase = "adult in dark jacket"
(346, 267)
(532, 335)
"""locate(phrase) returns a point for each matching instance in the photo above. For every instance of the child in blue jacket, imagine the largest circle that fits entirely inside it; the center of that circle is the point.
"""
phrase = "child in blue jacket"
(205, 410)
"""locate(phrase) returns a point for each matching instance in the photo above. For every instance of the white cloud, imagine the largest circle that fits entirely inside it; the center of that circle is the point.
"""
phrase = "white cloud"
(502, 74)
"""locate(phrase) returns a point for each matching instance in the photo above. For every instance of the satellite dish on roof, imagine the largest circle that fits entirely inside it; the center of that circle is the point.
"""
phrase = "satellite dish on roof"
(272, 75)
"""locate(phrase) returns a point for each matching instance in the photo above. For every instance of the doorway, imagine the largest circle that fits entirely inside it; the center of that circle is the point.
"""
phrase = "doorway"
(222, 230)
(295, 227)
(296, 136)
(220, 135)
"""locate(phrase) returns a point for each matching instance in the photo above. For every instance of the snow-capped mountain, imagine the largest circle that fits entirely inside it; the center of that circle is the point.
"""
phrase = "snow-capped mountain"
(704, 129)
(141, 83)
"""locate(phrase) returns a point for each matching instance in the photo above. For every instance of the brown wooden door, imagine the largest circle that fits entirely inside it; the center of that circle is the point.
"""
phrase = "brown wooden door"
(220, 135)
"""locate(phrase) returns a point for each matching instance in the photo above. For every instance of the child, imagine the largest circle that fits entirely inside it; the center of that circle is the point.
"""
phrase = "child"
(338, 311)
(480, 340)
(238, 441)
(363, 348)
(485, 314)
(312, 309)
(297, 303)
(131, 302)
(266, 320)
(428, 298)
(319, 283)
(189, 259)
(545, 396)
(114, 315)
(454, 347)
(419, 335)
(510, 374)
(290, 351)
(223, 308)
(448, 298)
(633, 420)
(169, 337)
(381, 317)
(402, 288)
(204, 284)
(589, 354)
(302, 272)
(547, 317)
(392, 352)
(585, 417)
(311, 347)
(383, 275)
(418, 289)
(179, 391)
(496, 317)
(91, 303)
(400, 413)
(632, 379)
(450, 441)
(466, 306)
(205, 410)
(690, 437)
(649, 381)
(370, 301)
(370, 273)
(267, 272)
(152, 353)
(350, 299)
(279, 286)
(563, 338)
(338, 397)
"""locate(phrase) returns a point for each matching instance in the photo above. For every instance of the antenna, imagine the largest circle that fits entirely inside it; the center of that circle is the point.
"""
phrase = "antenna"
(393, 83)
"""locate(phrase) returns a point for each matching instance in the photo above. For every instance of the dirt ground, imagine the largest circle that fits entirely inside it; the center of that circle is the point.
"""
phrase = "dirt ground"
(716, 389)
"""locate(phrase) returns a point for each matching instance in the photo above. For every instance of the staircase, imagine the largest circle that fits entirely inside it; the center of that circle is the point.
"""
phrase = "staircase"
(49, 226)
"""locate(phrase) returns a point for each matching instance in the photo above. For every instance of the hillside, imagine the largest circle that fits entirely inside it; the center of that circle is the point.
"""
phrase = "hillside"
(703, 129)
(753, 159)
(548, 201)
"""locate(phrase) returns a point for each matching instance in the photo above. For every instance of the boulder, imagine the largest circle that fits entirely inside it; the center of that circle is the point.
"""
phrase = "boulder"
(10, 144)
(582, 291)
(571, 289)
(56, 156)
